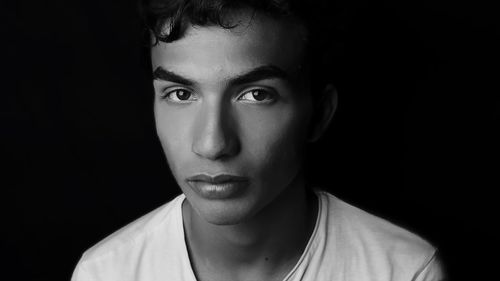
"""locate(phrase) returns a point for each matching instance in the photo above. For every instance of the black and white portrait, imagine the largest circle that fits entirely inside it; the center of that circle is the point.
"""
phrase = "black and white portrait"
(216, 140)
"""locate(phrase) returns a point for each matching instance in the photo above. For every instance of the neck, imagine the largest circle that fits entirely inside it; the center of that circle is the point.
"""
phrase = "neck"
(273, 239)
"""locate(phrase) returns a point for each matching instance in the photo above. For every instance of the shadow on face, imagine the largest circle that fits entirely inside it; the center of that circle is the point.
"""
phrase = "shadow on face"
(233, 103)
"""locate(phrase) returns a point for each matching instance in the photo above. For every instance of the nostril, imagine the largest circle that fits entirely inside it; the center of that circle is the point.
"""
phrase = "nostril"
(214, 135)
(216, 145)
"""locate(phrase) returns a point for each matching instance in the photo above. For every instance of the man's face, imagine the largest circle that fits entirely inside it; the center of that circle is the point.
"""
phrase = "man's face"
(233, 102)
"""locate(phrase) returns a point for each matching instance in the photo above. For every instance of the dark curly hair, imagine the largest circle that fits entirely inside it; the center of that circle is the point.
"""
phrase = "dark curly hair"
(318, 17)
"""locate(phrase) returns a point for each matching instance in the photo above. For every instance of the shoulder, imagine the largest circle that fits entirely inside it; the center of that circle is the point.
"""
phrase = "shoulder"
(377, 230)
(133, 237)
(372, 240)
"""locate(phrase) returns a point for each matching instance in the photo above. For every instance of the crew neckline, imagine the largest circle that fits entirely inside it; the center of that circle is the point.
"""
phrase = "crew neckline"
(303, 257)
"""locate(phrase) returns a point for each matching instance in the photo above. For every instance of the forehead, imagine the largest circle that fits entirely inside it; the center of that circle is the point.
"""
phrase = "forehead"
(256, 40)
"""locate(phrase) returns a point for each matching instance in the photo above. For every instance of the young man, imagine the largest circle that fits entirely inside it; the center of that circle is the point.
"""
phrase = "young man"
(236, 100)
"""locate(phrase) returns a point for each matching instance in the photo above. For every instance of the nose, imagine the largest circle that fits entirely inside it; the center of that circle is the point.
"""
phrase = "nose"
(215, 137)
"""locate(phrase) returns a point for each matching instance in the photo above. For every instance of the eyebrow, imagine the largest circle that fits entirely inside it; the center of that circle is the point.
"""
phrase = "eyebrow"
(257, 74)
(162, 74)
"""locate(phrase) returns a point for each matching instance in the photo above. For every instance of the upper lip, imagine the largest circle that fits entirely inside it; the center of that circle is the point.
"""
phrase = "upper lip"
(218, 179)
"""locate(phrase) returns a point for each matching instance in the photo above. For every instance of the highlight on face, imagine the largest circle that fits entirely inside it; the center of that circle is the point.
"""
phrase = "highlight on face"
(232, 111)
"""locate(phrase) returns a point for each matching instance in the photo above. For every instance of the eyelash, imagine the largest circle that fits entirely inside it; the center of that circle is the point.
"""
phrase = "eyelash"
(165, 95)
(271, 96)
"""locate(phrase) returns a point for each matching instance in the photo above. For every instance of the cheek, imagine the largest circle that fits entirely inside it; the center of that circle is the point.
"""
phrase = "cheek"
(172, 132)
(275, 138)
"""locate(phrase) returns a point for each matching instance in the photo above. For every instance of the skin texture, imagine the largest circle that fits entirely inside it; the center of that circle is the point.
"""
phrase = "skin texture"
(213, 125)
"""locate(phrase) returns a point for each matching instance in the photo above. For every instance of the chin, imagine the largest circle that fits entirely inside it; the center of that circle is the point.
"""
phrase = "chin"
(224, 212)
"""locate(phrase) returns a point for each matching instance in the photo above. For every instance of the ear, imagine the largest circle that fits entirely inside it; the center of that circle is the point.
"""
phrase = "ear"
(323, 112)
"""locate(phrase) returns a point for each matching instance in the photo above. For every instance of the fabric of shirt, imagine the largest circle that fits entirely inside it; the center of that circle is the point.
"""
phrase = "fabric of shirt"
(347, 243)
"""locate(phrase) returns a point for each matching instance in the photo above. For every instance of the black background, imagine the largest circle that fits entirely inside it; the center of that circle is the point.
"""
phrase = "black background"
(414, 138)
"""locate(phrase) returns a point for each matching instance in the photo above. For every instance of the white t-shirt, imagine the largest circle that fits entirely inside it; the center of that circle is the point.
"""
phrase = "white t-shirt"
(347, 244)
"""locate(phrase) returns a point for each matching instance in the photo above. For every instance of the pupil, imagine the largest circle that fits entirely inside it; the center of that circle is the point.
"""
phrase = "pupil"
(182, 95)
(258, 95)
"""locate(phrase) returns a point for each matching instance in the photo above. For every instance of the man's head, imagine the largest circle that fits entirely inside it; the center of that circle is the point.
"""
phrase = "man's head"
(233, 96)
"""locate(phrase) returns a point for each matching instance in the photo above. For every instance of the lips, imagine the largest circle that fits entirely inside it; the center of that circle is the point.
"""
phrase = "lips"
(223, 178)
(223, 186)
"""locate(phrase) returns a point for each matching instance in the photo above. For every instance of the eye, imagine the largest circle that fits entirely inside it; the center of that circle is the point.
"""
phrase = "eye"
(179, 95)
(257, 96)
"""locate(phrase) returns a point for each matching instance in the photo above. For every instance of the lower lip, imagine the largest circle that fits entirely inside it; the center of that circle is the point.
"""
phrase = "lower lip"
(219, 191)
